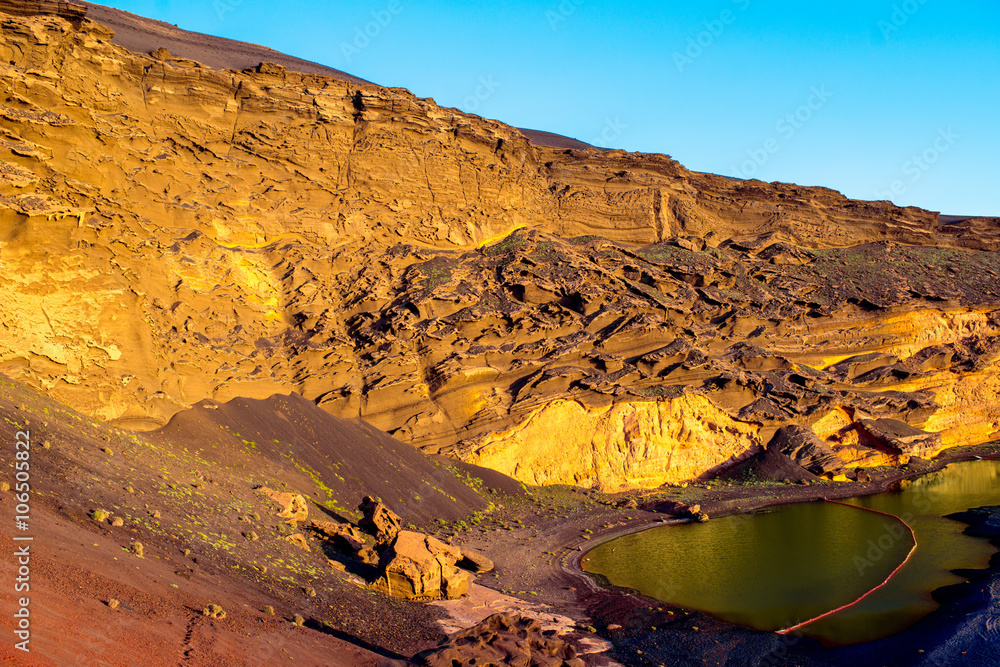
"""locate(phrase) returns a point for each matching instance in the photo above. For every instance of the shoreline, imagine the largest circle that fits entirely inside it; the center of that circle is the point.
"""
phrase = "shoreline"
(624, 617)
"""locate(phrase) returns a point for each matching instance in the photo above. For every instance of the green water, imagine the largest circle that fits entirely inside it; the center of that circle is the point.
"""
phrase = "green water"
(774, 569)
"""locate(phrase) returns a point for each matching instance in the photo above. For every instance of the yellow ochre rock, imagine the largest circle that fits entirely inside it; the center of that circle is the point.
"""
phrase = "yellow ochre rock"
(626, 445)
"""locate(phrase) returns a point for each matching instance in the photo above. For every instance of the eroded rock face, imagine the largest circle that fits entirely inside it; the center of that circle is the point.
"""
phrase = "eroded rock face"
(806, 449)
(421, 567)
(502, 639)
(619, 446)
(341, 534)
(173, 232)
(378, 520)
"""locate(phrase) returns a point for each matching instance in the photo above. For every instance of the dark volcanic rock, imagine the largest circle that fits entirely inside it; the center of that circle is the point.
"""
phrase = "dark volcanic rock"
(769, 465)
(983, 521)
(803, 447)
(379, 520)
(421, 567)
(502, 640)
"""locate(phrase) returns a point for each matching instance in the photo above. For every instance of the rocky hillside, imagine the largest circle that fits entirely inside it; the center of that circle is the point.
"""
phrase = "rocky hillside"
(171, 232)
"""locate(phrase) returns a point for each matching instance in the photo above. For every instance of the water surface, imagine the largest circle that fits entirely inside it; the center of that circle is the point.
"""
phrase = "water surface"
(774, 569)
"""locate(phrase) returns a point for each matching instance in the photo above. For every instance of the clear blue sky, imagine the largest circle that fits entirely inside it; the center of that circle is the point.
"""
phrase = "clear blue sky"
(881, 99)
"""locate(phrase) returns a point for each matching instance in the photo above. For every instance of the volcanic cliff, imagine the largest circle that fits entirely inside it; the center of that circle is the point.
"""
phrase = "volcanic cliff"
(172, 232)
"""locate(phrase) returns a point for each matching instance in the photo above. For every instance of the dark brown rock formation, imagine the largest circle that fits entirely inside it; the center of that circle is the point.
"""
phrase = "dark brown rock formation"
(502, 640)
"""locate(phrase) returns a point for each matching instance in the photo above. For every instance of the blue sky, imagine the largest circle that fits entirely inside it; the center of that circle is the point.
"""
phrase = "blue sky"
(881, 99)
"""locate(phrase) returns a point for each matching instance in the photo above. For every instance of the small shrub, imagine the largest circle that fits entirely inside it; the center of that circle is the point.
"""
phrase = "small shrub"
(252, 536)
(269, 610)
(298, 620)
(118, 522)
(138, 549)
(113, 603)
(309, 591)
(100, 516)
(4, 487)
(107, 450)
(214, 611)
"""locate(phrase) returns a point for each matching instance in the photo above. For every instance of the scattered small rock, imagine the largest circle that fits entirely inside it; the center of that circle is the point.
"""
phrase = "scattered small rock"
(298, 540)
(214, 611)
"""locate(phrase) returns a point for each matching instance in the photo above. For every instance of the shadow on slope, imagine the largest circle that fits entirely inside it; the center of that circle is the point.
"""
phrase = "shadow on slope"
(288, 441)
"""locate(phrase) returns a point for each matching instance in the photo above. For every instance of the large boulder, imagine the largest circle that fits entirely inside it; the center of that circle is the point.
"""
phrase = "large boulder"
(379, 520)
(475, 561)
(421, 567)
(501, 640)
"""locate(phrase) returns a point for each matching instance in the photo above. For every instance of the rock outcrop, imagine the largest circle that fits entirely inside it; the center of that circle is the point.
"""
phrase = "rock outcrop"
(902, 438)
(420, 567)
(341, 534)
(378, 520)
(74, 12)
(475, 561)
(502, 639)
(806, 449)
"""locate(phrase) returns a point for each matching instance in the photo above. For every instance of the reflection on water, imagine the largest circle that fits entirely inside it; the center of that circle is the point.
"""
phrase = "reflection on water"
(776, 569)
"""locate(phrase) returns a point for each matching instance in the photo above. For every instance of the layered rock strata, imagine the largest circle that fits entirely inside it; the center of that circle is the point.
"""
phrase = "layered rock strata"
(171, 233)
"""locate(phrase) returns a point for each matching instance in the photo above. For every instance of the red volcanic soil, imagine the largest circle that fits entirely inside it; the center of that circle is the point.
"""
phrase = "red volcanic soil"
(187, 494)
(74, 572)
